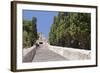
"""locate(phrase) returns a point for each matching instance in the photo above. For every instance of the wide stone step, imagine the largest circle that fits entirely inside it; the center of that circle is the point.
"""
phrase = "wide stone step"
(43, 54)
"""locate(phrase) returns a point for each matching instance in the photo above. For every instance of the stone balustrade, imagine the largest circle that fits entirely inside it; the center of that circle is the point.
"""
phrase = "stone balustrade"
(70, 53)
(29, 53)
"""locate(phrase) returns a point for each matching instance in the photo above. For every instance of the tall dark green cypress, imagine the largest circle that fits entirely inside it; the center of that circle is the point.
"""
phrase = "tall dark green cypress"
(30, 34)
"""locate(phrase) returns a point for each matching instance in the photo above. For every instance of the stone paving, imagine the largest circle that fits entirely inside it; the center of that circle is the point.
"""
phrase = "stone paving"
(43, 54)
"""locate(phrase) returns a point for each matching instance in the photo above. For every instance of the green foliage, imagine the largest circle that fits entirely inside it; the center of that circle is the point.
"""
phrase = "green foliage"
(71, 30)
(26, 41)
(29, 32)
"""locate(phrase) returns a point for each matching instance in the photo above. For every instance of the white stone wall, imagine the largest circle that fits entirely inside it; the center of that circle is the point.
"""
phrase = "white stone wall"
(70, 53)
(28, 54)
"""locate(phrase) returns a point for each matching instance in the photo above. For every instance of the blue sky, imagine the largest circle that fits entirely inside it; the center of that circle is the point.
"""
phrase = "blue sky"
(44, 19)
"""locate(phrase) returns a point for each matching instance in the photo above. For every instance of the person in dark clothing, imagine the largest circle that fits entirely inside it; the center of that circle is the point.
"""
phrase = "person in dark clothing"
(37, 45)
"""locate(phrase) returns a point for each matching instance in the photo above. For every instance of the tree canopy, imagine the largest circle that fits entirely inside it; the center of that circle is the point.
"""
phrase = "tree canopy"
(29, 32)
(71, 29)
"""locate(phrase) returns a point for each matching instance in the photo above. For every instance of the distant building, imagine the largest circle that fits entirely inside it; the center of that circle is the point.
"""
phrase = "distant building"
(42, 39)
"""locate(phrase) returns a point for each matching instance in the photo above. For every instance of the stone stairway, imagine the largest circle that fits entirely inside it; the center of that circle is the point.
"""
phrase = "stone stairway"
(43, 54)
